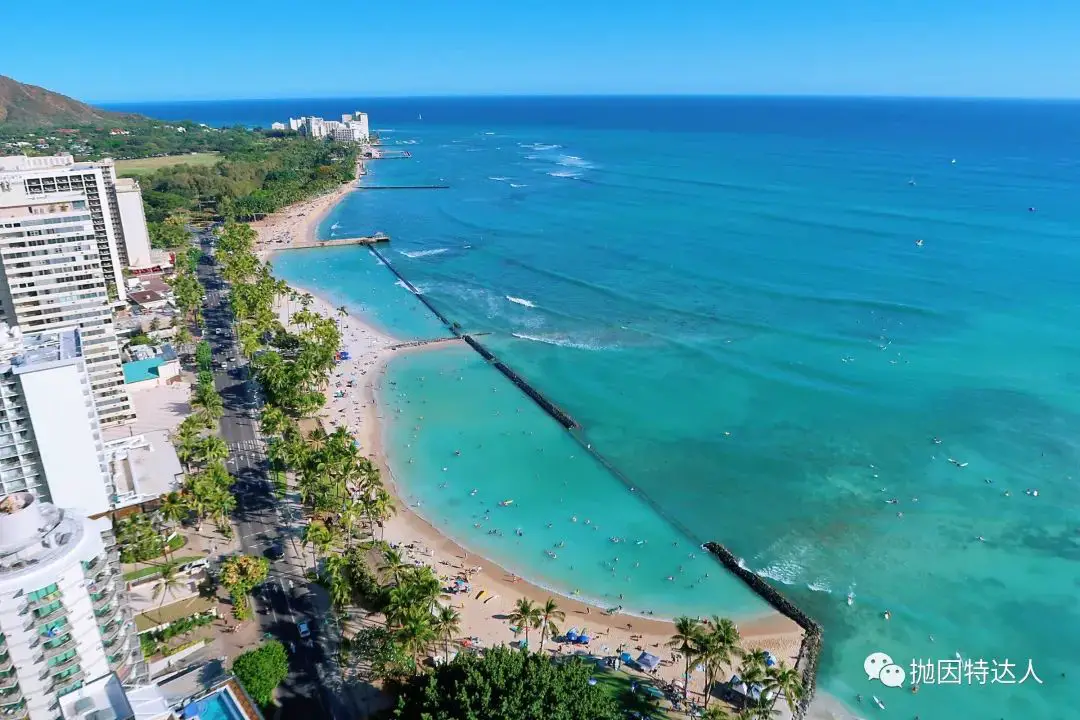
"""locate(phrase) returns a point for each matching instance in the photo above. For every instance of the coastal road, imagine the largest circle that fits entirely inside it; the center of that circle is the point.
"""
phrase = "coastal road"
(313, 688)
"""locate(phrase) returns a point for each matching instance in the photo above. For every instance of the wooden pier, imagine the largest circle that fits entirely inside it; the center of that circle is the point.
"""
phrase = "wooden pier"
(335, 242)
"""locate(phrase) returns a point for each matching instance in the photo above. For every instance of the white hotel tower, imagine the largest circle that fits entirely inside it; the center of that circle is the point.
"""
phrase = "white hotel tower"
(51, 278)
(62, 620)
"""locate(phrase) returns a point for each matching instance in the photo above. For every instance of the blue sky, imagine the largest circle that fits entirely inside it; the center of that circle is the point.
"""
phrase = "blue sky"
(203, 49)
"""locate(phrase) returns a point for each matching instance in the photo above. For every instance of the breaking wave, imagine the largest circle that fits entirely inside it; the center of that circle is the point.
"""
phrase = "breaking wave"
(423, 253)
(560, 341)
(521, 301)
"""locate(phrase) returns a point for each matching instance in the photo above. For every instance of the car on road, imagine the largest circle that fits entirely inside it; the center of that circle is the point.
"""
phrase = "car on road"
(276, 551)
(304, 629)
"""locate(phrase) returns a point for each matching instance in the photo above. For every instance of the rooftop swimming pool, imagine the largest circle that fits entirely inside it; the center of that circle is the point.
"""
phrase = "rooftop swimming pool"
(221, 705)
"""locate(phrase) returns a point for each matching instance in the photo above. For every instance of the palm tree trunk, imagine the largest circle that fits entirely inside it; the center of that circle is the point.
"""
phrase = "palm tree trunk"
(686, 679)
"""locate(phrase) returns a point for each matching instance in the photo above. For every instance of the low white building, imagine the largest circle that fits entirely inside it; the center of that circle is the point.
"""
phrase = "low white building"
(133, 220)
(106, 697)
(142, 468)
(62, 615)
(277, 126)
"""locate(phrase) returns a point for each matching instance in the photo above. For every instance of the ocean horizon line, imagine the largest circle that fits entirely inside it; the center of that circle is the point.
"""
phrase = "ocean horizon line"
(1034, 99)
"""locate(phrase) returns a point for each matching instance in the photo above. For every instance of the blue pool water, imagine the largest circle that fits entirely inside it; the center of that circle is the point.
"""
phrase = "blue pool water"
(219, 706)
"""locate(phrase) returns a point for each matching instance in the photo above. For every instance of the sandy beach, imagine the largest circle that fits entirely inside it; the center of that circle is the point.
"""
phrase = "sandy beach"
(482, 619)
(299, 222)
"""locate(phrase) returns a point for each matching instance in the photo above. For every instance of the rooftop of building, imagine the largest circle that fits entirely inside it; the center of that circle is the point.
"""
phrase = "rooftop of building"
(106, 699)
(34, 534)
(142, 467)
(27, 351)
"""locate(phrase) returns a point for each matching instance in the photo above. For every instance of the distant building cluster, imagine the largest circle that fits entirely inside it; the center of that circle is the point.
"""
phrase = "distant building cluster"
(352, 127)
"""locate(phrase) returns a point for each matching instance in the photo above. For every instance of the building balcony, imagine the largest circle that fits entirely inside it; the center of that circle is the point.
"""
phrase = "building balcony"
(10, 699)
(107, 596)
(64, 685)
(17, 712)
(5, 663)
(67, 643)
(11, 681)
(57, 613)
(96, 566)
(110, 631)
(106, 583)
(41, 602)
(55, 670)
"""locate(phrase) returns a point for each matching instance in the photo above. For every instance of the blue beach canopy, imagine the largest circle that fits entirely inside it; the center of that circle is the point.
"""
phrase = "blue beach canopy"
(648, 661)
(190, 710)
(626, 657)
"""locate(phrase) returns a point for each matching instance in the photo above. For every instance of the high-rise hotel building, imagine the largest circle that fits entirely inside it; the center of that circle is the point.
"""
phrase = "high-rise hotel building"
(51, 278)
(58, 174)
(63, 615)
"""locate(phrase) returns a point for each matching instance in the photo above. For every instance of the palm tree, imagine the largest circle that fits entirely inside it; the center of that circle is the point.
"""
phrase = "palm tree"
(549, 613)
(173, 508)
(209, 406)
(752, 670)
(213, 449)
(685, 640)
(168, 582)
(782, 680)
(416, 634)
(716, 712)
(394, 564)
(446, 625)
(525, 616)
(320, 538)
(718, 646)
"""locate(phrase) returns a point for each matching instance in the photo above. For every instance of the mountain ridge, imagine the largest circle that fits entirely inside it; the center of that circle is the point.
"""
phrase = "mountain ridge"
(30, 106)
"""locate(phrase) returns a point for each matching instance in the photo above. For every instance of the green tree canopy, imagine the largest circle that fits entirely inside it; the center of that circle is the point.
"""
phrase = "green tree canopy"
(506, 683)
(261, 670)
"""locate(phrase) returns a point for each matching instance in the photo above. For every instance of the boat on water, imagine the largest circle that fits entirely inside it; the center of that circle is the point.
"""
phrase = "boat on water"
(506, 503)
(878, 702)
(851, 598)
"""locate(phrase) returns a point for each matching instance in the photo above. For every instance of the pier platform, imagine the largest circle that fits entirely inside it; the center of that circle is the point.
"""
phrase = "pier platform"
(336, 242)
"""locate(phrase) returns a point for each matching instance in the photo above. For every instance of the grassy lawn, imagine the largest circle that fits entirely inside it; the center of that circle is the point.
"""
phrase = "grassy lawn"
(617, 684)
(142, 166)
(154, 569)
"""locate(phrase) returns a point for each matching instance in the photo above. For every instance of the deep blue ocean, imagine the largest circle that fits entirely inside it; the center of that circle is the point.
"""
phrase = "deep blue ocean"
(836, 335)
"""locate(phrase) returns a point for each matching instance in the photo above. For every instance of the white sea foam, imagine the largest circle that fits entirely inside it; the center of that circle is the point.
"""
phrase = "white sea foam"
(785, 572)
(564, 174)
(498, 178)
(532, 157)
(521, 301)
(423, 253)
(401, 284)
(489, 133)
(573, 161)
(518, 185)
(335, 226)
(819, 586)
(560, 341)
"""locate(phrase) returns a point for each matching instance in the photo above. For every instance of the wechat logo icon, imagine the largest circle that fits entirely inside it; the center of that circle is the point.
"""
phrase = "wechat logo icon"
(879, 666)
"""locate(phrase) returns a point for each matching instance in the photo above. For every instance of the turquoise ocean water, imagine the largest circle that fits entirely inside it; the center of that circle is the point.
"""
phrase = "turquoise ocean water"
(729, 296)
